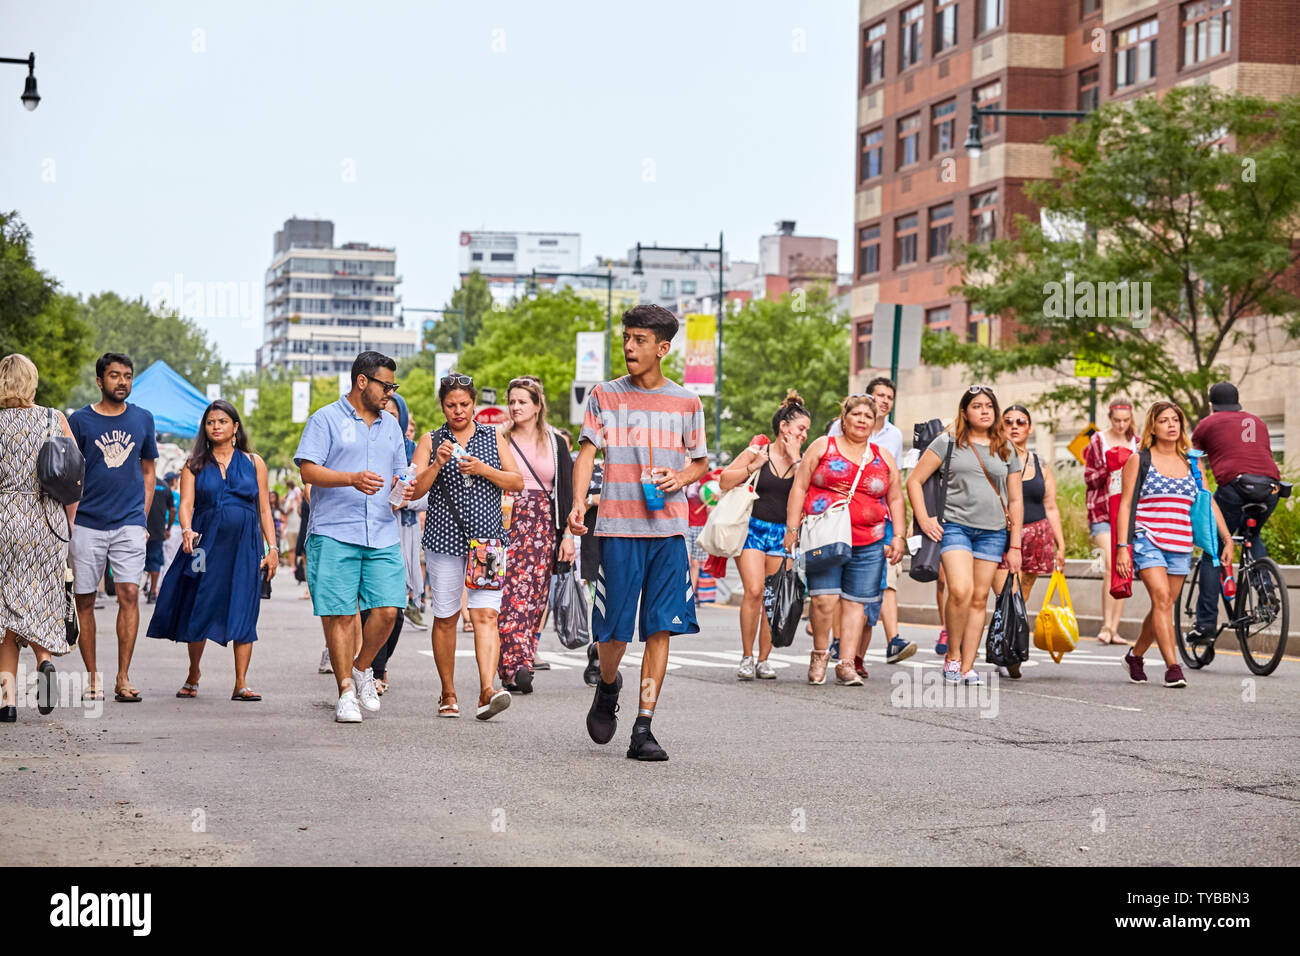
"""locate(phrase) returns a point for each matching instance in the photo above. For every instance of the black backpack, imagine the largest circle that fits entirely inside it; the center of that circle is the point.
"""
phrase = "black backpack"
(60, 468)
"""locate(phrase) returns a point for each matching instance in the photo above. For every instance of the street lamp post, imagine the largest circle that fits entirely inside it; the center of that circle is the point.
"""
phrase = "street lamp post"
(717, 362)
(609, 300)
(31, 99)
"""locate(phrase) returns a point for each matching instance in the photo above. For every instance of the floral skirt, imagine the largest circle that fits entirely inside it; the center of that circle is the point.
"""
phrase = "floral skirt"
(1037, 549)
(528, 581)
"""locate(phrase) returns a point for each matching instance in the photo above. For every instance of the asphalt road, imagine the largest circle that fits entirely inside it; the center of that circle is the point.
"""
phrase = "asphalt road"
(1071, 765)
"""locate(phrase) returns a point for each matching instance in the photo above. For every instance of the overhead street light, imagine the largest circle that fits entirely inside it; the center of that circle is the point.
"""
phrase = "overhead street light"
(974, 133)
(31, 99)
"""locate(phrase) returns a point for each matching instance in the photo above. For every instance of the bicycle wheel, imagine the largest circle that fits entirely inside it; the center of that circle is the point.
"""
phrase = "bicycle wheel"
(1194, 656)
(1262, 614)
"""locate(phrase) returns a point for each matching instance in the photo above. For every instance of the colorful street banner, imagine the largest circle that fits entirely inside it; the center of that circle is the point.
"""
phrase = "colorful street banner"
(701, 353)
(590, 365)
(301, 401)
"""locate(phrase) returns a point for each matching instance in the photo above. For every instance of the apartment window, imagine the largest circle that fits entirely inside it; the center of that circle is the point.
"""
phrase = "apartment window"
(688, 287)
(905, 233)
(873, 144)
(873, 55)
(939, 320)
(913, 23)
(988, 16)
(862, 346)
(548, 242)
(989, 97)
(1089, 88)
(978, 330)
(667, 288)
(1135, 53)
(909, 140)
(984, 216)
(503, 257)
(944, 120)
(1088, 7)
(476, 257)
(940, 230)
(945, 25)
(1207, 30)
(869, 250)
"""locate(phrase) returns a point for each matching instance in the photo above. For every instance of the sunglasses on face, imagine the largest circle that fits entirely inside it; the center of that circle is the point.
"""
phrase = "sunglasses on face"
(1016, 423)
(388, 387)
(456, 379)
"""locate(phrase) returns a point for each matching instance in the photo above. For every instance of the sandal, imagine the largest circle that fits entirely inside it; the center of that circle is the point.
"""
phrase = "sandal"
(93, 695)
(496, 703)
(381, 686)
(448, 707)
(245, 694)
(127, 695)
(193, 690)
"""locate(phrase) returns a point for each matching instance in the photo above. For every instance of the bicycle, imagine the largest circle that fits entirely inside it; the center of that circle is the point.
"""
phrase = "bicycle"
(1261, 612)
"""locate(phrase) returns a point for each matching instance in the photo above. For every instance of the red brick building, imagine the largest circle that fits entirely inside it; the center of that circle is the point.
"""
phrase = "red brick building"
(922, 62)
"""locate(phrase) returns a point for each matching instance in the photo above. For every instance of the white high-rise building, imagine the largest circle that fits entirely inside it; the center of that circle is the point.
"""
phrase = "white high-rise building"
(325, 304)
(507, 259)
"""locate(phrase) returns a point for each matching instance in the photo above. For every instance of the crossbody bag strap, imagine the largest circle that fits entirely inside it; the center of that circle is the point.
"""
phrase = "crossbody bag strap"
(455, 513)
(1006, 513)
(943, 480)
(550, 493)
(861, 466)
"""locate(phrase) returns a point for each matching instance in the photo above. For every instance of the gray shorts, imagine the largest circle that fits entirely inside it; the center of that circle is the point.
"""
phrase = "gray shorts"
(90, 550)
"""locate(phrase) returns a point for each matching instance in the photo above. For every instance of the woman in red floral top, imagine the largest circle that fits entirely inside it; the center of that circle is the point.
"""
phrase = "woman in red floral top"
(1103, 462)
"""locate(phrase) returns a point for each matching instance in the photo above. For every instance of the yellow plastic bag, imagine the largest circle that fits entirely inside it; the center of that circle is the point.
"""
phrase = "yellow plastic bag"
(1056, 630)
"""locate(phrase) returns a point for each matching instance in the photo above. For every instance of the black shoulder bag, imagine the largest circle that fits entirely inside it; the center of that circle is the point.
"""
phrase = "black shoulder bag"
(925, 563)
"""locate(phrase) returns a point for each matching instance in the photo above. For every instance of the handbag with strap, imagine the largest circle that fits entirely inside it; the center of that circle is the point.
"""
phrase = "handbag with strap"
(727, 529)
(926, 562)
(60, 470)
(1205, 532)
(1056, 629)
(826, 540)
(485, 570)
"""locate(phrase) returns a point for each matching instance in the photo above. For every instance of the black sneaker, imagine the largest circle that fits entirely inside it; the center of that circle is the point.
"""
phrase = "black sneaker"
(1197, 636)
(592, 674)
(601, 718)
(523, 680)
(645, 747)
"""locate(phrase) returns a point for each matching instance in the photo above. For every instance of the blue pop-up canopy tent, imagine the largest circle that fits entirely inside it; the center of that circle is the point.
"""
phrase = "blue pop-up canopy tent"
(177, 406)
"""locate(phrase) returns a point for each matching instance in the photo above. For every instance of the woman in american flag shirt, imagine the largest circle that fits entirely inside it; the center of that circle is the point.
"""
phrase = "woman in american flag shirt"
(1154, 533)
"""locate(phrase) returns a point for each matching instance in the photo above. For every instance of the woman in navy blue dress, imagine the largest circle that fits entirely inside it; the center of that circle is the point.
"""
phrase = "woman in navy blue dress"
(213, 591)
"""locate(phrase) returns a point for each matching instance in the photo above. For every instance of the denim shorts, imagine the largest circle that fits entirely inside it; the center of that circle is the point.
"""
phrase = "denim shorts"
(857, 579)
(1147, 555)
(1099, 527)
(984, 544)
(765, 536)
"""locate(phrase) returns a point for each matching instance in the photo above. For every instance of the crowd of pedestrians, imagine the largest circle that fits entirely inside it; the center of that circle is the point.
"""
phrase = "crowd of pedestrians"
(470, 522)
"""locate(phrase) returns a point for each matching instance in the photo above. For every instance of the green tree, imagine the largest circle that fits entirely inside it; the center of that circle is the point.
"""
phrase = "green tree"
(1213, 231)
(474, 299)
(770, 346)
(131, 327)
(271, 430)
(36, 319)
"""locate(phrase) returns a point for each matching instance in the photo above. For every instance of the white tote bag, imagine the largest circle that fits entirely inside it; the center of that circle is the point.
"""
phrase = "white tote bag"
(728, 526)
(826, 540)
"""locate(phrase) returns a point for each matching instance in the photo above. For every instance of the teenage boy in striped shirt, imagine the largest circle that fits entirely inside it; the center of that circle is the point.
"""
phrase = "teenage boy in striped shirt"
(652, 434)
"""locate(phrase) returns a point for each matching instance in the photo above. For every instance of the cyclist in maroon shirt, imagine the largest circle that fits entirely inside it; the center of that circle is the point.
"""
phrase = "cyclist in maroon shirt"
(1236, 445)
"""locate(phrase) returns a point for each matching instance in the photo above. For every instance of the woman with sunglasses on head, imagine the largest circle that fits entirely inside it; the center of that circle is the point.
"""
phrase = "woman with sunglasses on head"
(982, 520)
(538, 537)
(1042, 548)
(463, 467)
(1103, 462)
(848, 466)
(765, 543)
(1154, 531)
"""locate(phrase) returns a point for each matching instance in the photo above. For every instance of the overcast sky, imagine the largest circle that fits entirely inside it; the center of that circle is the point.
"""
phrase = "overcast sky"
(174, 138)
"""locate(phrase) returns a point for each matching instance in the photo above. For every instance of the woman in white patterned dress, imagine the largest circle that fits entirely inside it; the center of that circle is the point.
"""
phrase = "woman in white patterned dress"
(32, 555)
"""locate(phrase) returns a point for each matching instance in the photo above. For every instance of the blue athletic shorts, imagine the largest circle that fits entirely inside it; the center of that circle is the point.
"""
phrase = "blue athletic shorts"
(1147, 555)
(652, 571)
(343, 577)
(765, 536)
(153, 555)
(984, 544)
(858, 579)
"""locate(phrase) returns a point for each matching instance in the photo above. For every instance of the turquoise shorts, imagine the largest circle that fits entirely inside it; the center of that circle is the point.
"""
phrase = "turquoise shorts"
(344, 577)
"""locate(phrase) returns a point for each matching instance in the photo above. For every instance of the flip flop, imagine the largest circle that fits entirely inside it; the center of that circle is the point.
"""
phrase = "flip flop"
(496, 703)
(132, 698)
(448, 708)
(245, 694)
(93, 695)
(193, 691)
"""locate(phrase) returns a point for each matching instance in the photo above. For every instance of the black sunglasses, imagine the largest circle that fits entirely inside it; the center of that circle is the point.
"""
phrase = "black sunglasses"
(389, 387)
(457, 379)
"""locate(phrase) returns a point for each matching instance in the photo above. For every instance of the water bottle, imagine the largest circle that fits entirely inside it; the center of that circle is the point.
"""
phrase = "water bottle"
(1229, 582)
(457, 453)
(398, 494)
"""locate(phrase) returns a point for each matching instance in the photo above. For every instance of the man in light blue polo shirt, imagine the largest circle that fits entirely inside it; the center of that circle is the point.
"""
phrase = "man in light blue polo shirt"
(350, 452)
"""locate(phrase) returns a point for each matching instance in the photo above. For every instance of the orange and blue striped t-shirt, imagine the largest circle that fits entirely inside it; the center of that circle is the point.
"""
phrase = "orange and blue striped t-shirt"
(626, 421)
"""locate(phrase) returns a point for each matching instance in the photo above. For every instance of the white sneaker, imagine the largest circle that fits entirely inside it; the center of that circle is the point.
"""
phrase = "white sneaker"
(765, 670)
(349, 709)
(747, 669)
(325, 666)
(365, 688)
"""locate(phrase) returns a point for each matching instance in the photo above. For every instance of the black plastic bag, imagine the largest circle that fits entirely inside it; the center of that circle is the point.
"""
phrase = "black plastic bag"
(783, 594)
(1007, 641)
(569, 611)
